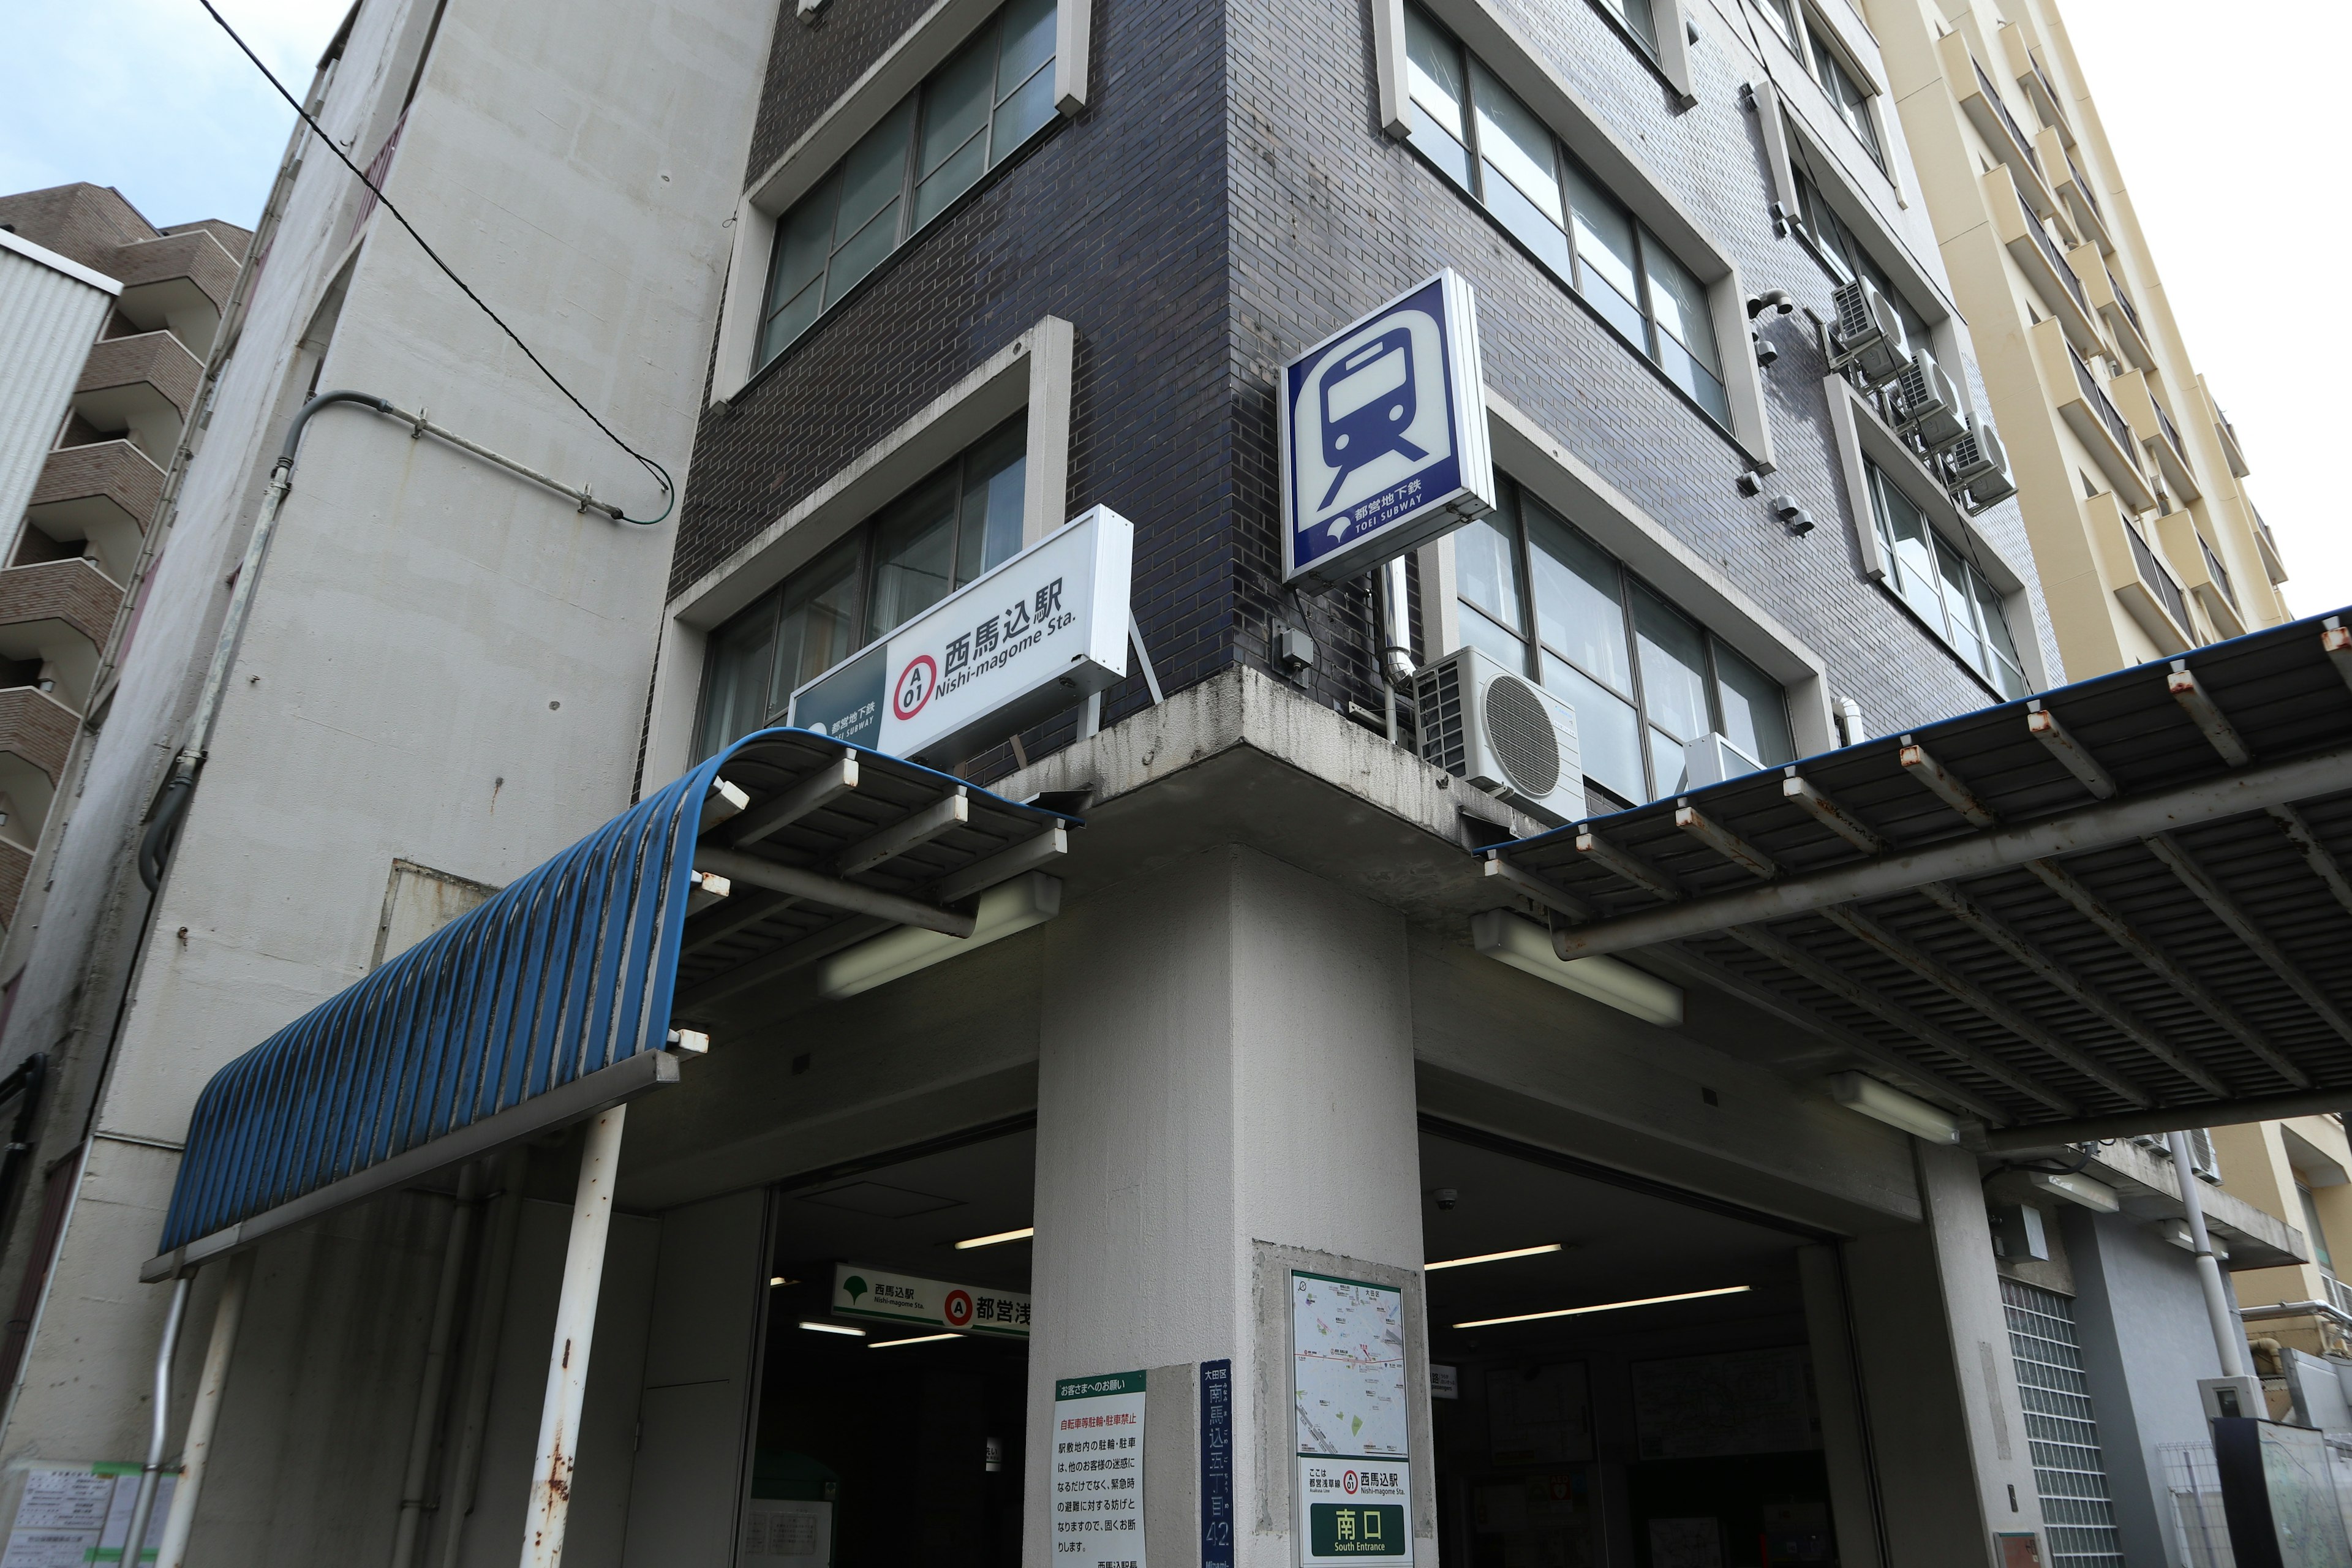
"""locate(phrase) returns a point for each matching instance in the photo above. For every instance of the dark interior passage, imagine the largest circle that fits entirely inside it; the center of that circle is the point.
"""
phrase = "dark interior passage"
(1672, 1434)
(878, 1438)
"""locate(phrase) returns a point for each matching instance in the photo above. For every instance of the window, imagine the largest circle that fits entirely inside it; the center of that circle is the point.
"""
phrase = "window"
(1958, 603)
(2061, 1431)
(1847, 95)
(1639, 20)
(921, 547)
(1841, 252)
(971, 114)
(1645, 680)
(1782, 15)
(2311, 1228)
(1494, 147)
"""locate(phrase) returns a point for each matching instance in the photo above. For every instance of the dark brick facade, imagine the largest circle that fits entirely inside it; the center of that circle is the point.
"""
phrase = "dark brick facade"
(1226, 198)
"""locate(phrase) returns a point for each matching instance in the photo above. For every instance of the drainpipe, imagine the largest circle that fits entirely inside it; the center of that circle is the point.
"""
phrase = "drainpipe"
(2228, 1338)
(143, 1505)
(1393, 606)
(575, 1330)
(205, 1418)
(410, 1530)
(155, 848)
(488, 1323)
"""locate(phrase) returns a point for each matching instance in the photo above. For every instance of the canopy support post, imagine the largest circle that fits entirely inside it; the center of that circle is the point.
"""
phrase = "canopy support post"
(2229, 1339)
(205, 1418)
(575, 1327)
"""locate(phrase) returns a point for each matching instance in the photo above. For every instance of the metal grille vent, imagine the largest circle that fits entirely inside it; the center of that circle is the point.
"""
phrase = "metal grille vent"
(1442, 744)
(1913, 391)
(1518, 728)
(1852, 312)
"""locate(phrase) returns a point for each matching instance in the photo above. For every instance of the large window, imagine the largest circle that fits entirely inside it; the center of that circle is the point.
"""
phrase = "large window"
(1493, 146)
(1640, 19)
(1958, 603)
(1847, 95)
(931, 540)
(1645, 680)
(1839, 249)
(973, 113)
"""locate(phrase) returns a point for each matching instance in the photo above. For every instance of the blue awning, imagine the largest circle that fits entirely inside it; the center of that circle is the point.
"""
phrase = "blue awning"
(555, 998)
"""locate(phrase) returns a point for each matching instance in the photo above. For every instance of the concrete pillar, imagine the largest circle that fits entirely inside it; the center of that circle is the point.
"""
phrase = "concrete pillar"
(1225, 1092)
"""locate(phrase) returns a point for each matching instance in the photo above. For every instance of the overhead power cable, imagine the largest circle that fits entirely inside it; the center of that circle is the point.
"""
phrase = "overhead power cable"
(660, 474)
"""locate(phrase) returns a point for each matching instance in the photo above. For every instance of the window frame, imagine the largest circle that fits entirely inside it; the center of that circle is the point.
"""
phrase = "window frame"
(901, 68)
(1568, 169)
(1515, 497)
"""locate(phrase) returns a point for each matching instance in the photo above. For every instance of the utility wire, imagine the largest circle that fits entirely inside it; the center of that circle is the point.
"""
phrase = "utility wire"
(660, 474)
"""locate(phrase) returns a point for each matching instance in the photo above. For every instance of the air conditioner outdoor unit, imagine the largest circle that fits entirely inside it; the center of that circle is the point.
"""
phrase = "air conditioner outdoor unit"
(1927, 406)
(1502, 732)
(2200, 1151)
(1976, 468)
(1711, 759)
(1867, 337)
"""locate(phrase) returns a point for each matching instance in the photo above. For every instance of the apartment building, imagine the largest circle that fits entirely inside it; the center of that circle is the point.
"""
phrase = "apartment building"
(2130, 475)
(78, 535)
(603, 1033)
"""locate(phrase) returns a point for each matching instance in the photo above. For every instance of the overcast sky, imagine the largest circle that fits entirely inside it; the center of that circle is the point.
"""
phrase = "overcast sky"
(2233, 161)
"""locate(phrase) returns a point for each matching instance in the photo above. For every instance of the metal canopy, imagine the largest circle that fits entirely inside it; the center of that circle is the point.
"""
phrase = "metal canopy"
(2118, 907)
(555, 998)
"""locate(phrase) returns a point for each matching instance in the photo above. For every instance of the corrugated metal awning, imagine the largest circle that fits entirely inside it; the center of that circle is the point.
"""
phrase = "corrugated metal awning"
(2121, 906)
(555, 998)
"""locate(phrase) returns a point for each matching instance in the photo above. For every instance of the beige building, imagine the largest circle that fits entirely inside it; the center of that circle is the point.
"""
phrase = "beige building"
(94, 502)
(2129, 473)
(2301, 1172)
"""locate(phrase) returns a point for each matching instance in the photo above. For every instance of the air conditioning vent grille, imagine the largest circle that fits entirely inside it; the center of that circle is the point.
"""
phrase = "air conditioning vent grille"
(1442, 744)
(1853, 311)
(1519, 728)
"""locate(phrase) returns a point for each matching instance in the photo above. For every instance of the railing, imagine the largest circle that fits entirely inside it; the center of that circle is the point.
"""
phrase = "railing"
(2049, 90)
(2172, 436)
(2339, 1295)
(2016, 132)
(2156, 576)
(2131, 312)
(2057, 262)
(2219, 573)
(2097, 397)
(378, 167)
(2080, 183)
(2263, 528)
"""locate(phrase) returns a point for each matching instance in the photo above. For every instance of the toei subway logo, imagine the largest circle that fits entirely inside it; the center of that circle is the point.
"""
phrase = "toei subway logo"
(914, 687)
(956, 1309)
(1349, 1483)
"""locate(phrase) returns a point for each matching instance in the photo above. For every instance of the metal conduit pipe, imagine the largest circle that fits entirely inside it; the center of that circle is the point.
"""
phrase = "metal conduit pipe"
(143, 1505)
(155, 846)
(408, 1533)
(2229, 1339)
(487, 1325)
(195, 1455)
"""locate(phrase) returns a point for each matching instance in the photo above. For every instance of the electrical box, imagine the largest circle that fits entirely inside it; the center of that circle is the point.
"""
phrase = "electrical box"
(2019, 1232)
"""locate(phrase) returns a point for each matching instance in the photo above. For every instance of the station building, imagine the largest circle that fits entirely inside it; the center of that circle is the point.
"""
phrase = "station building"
(526, 1072)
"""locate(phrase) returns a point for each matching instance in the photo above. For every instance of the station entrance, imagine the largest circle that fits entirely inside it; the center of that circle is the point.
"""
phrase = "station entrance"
(1621, 1375)
(894, 1363)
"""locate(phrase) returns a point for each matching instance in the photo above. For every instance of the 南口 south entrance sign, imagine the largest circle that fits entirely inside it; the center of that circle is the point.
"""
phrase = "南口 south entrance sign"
(1383, 435)
(1044, 630)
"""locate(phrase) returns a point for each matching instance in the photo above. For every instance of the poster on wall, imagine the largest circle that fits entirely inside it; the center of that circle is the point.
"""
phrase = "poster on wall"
(1383, 432)
(1740, 1401)
(1352, 1430)
(74, 1514)
(1098, 1471)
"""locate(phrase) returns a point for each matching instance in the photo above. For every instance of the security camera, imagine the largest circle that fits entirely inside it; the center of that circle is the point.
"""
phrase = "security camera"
(1767, 351)
(1444, 1197)
(1777, 300)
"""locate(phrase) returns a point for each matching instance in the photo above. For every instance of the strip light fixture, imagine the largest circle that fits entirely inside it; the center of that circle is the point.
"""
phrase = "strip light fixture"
(918, 1340)
(1606, 1307)
(1491, 1256)
(833, 1328)
(1024, 1234)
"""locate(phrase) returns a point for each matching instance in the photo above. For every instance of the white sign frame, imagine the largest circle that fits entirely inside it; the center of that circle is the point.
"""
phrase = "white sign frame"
(1431, 468)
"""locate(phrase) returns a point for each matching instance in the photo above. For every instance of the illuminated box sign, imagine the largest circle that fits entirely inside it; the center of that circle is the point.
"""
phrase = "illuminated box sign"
(1019, 644)
(1383, 435)
(880, 1296)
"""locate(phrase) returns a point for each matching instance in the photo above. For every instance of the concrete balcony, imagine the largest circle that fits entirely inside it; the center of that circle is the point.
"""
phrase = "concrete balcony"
(2037, 255)
(2201, 572)
(2273, 563)
(2090, 413)
(15, 866)
(178, 284)
(2156, 433)
(2231, 449)
(2115, 307)
(1991, 114)
(36, 735)
(2075, 192)
(56, 617)
(103, 495)
(144, 386)
(2143, 584)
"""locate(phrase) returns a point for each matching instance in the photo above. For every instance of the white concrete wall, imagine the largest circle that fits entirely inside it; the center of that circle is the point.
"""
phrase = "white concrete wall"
(443, 665)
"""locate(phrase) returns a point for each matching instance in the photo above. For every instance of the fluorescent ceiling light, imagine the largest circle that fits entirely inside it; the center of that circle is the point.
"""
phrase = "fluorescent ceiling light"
(1024, 1234)
(778, 1279)
(1005, 909)
(2077, 1188)
(1605, 1307)
(1494, 1256)
(834, 1329)
(1881, 1102)
(918, 1340)
(1524, 945)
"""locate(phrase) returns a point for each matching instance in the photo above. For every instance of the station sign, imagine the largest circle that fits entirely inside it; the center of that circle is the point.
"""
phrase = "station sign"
(1098, 1471)
(1352, 1422)
(1016, 645)
(1383, 430)
(878, 1296)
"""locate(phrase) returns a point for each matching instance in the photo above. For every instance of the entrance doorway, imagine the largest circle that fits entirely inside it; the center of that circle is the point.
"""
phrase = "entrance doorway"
(1623, 1376)
(893, 1376)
